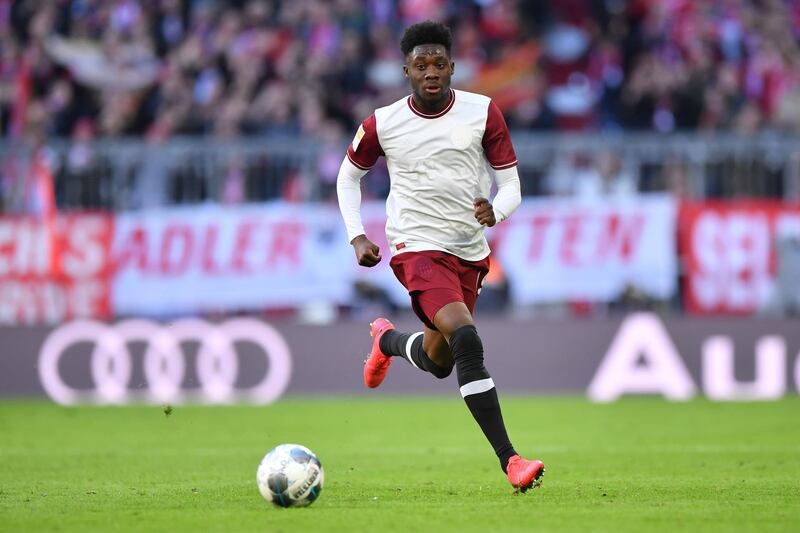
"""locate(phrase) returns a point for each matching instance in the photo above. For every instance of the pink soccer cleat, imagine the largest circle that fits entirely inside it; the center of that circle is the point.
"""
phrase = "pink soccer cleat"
(377, 364)
(524, 474)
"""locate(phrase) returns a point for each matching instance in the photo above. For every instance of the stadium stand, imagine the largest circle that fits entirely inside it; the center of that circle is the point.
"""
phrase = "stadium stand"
(140, 104)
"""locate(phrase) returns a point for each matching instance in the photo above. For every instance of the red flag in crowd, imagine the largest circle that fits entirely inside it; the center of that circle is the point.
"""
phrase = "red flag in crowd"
(22, 95)
(41, 202)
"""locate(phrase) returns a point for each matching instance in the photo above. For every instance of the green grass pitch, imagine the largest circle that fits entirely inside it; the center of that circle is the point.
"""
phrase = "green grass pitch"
(404, 464)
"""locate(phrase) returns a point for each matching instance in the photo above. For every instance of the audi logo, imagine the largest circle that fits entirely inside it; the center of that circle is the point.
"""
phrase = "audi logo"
(165, 362)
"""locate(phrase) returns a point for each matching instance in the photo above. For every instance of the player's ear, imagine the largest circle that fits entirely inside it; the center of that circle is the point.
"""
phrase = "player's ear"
(452, 67)
(405, 71)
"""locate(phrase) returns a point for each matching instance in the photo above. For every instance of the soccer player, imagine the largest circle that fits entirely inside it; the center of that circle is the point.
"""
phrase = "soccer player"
(439, 145)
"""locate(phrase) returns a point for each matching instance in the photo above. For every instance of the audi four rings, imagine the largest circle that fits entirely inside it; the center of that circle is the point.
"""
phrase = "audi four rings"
(164, 361)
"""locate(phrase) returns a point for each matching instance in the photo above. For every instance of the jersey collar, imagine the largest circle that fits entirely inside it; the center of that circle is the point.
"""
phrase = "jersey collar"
(422, 114)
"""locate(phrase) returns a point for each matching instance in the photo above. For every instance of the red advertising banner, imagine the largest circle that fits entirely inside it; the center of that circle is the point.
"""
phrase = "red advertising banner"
(53, 272)
(729, 253)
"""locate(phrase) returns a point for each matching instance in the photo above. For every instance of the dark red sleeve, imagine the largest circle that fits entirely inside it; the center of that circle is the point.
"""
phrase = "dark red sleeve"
(365, 148)
(497, 141)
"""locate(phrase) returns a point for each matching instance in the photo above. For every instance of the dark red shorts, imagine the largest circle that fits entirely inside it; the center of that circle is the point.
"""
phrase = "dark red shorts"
(434, 279)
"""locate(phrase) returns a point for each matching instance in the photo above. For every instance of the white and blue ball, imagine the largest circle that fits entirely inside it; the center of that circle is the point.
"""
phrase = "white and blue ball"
(290, 475)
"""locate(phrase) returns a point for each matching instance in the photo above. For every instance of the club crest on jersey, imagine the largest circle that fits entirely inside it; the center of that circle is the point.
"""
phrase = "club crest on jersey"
(359, 135)
(461, 138)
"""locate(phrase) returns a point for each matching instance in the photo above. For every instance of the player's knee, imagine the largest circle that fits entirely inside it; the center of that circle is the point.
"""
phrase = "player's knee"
(440, 361)
(465, 343)
(441, 372)
(467, 351)
(452, 317)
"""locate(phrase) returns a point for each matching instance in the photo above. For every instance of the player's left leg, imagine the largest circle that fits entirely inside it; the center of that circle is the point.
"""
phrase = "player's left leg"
(455, 322)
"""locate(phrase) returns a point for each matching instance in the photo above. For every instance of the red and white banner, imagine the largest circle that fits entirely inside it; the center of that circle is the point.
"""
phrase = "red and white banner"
(52, 271)
(564, 249)
(729, 251)
(207, 259)
(185, 260)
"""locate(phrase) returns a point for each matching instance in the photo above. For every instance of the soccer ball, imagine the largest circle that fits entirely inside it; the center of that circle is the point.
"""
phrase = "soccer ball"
(290, 475)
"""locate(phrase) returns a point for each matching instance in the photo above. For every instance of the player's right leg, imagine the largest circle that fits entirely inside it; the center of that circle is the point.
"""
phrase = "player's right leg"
(377, 363)
(414, 347)
(426, 350)
(436, 348)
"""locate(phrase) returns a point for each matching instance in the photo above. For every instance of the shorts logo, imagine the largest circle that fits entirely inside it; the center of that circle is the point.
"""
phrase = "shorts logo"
(164, 362)
(424, 268)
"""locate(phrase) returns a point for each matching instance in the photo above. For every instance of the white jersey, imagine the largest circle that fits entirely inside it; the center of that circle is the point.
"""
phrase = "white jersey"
(438, 164)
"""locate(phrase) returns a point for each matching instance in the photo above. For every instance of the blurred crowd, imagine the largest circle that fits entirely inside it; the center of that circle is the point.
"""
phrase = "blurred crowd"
(161, 68)
(85, 70)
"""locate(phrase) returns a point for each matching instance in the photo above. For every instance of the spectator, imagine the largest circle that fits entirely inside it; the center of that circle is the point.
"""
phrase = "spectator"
(167, 67)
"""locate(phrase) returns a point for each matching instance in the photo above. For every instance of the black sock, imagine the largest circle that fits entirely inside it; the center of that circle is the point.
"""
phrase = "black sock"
(477, 389)
(396, 344)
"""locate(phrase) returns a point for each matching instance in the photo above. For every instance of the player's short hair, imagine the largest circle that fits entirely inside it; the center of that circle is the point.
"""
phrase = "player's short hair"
(427, 32)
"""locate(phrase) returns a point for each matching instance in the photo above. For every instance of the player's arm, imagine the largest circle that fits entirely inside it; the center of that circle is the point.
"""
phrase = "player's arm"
(508, 196)
(501, 156)
(348, 189)
(361, 156)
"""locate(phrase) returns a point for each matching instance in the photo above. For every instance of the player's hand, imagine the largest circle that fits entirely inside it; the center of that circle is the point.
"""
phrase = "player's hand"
(367, 253)
(484, 212)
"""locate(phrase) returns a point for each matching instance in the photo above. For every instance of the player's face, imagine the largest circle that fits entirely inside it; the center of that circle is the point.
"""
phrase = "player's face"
(428, 68)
